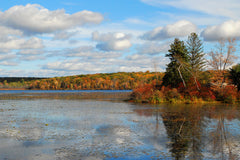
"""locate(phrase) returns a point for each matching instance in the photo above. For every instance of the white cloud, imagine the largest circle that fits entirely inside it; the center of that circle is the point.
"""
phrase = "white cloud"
(225, 8)
(6, 31)
(90, 53)
(8, 63)
(76, 65)
(178, 29)
(63, 35)
(139, 62)
(34, 18)
(17, 43)
(7, 56)
(228, 29)
(130, 63)
(32, 57)
(153, 48)
(112, 41)
(30, 52)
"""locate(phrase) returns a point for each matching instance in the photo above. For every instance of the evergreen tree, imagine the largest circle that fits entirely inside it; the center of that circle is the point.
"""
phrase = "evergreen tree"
(195, 52)
(196, 57)
(174, 74)
(235, 75)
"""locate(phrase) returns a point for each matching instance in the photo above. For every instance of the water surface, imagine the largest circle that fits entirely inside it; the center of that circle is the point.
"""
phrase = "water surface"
(50, 128)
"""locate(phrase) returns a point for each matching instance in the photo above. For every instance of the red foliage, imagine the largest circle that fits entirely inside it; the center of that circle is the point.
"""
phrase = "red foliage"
(143, 92)
(207, 94)
(192, 90)
(229, 91)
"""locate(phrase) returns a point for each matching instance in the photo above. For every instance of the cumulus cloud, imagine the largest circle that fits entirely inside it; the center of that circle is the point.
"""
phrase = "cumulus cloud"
(8, 63)
(228, 29)
(89, 52)
(34, 18)
(6, 31)
(139, 62)
(7, 56)
(20, 43)
(63, 35)
(112, 41)
(153, 48)
(76, 65)
(106, 64)
(32, 57)
(178, 29)
(30, 52)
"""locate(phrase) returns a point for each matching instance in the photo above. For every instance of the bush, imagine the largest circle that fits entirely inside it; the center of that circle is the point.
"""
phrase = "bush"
(172, 94)
(228, 94)
(143, 94)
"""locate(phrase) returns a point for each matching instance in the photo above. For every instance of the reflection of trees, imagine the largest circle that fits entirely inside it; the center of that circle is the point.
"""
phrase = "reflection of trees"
(184, 128)
(221, 137)
(192, 130)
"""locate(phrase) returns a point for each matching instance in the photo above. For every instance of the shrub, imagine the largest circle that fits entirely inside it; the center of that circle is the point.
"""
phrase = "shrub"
(143, 94)
(207, 94)
(228, 94)
(172, 94)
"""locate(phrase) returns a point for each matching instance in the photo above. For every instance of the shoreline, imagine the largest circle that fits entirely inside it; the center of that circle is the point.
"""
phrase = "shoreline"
(12, 89)
(68, 95)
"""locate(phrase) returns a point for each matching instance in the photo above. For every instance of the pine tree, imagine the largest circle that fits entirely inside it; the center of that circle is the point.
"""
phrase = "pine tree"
(174, 74)
(195, 53)
(196, 57)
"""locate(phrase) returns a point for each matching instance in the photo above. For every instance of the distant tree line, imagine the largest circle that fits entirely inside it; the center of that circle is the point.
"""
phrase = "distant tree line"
(103, 81)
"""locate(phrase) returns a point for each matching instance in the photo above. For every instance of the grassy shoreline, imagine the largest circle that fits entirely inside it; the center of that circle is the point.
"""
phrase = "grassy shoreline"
(68, 95)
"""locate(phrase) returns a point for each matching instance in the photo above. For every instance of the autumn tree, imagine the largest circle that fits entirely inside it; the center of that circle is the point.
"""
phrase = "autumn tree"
(222, 58)
(175, 74)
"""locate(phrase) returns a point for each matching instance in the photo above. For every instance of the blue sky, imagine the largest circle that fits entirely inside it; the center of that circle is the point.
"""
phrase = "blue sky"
(43, 38)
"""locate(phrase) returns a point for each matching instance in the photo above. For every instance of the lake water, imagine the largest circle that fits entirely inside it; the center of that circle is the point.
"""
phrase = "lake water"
(96, 129)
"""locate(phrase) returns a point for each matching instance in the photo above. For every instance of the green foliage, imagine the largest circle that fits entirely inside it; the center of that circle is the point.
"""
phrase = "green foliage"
(235, 75)
(172, 77)
(195, 53)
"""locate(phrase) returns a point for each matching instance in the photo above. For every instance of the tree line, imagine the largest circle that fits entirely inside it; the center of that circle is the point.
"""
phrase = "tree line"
(101, 81)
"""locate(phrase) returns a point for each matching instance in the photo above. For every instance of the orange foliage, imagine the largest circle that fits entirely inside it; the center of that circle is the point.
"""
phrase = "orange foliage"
(109, 81)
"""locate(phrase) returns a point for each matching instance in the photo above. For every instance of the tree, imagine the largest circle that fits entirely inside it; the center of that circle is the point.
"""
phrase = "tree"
(175, 74)
(221, 59)
(235, 75)
(195, 53)
(196, 56)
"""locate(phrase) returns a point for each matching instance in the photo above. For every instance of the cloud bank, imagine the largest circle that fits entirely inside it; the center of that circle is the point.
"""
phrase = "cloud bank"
(35, 19)
(178, 29)
(228, 29)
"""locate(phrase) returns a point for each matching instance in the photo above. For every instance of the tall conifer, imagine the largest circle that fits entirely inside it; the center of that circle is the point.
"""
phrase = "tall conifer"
(174, 75)
(195, 52)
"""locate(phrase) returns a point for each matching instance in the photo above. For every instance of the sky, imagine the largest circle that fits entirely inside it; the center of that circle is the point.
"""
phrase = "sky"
(43, 38)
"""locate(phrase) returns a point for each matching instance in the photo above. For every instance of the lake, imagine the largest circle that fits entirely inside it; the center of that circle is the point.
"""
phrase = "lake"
(33, 126)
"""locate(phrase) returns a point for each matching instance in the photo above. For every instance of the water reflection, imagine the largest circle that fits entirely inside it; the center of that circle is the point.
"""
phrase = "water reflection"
(89, 129)
(197, 132)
